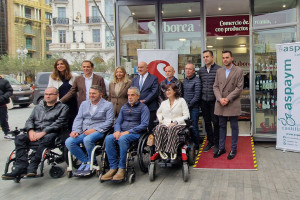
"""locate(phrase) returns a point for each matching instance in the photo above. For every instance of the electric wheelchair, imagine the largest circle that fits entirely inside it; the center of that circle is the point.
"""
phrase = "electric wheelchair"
(74, 163)
(54, 154)
(186, 154)
(137, 148)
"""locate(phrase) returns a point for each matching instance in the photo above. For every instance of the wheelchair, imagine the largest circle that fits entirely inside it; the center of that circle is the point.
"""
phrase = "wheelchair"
(186, 154)
(49, 154)
(137, 149)
(74, 163)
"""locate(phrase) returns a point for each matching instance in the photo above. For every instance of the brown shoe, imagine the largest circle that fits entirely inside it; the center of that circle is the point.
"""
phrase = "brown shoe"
(108, 175)
(120, 175)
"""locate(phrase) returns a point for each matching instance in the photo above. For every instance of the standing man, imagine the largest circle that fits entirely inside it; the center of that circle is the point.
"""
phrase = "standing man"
(46, 122)
(228, 87)
(170, 79)
(83, 83)
(191, 94)
(148, 85)
(5, 92)
(95, 117)
(207, 76)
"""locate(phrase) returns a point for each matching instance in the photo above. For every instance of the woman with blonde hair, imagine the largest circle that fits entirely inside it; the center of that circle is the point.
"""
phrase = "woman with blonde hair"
(62, 78)
(118, 89)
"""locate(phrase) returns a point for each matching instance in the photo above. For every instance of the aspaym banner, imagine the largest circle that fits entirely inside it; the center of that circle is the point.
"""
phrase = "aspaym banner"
(288, 96)
(158, 59)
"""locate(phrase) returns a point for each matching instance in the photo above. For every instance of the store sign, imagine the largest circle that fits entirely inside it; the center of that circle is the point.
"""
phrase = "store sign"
(158, 60)
(170, 26)
(288, 93)
(227, 25)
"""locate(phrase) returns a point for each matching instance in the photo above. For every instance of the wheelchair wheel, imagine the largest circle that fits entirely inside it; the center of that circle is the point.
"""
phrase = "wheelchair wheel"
(56, 172)
(10, 166)
(69, 174)
(152, 171)
(191, 154)
(131, 178)
(144, 153)
(185, 172)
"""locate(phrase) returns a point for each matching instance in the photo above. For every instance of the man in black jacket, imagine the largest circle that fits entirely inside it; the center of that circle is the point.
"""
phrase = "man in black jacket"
(191, 94)
(207, 76)
(5, 92)
(43, 125)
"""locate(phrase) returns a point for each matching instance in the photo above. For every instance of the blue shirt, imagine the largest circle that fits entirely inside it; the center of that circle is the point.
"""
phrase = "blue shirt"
(172, 81)
(228, 71)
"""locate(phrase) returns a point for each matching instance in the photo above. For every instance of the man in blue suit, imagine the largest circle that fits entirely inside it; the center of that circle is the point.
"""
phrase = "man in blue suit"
(148, 85)
(95, 117)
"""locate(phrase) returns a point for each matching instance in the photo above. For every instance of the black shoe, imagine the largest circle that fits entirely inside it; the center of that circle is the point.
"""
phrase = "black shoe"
(208, 147)
(14, 174)
(231, 154)
(216, 149)
(219, 153)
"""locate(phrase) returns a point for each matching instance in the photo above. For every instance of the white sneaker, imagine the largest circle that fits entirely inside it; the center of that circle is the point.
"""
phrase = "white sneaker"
(8, 137)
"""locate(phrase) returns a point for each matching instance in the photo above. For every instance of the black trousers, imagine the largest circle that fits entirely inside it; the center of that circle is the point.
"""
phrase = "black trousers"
(4, 119)
(22, 143)
(151, 120)
(213, 132)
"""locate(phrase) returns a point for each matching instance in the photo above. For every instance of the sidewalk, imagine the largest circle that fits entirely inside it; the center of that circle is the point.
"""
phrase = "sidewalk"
(277, 177)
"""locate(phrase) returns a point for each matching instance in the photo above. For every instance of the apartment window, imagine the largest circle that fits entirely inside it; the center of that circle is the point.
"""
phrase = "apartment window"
(109, 11)
(61, 12)
(47, 2)
(28, 43)
(48, 15)
(96, 35)
(47, 44)
(28, 12)
(62, 36)
(95, 12)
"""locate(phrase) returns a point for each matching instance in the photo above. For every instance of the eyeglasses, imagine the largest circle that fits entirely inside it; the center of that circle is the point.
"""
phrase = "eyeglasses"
(46, 94)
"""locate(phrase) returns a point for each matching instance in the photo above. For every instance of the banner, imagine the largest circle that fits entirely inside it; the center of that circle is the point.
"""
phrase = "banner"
(157, 60)
(288, 96)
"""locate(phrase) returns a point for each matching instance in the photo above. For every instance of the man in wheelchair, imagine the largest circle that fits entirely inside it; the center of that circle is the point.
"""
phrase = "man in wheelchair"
(43, 126)
(95, 117)
(132, 121)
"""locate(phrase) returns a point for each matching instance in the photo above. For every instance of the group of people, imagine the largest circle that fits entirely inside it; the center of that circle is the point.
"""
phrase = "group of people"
(131, 108)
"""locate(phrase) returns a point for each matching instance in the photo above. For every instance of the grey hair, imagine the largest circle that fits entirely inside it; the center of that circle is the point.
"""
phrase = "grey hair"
(137, 91)
(96, 87)
(56, 90)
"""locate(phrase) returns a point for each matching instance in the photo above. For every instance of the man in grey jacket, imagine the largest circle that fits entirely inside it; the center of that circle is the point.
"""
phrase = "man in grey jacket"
(44, 124)
(207, 76)
(94, 118)
(191, 94)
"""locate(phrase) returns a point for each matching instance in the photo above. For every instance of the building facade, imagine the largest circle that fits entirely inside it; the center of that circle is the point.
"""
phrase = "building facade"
(28, 27)
(80, 32)
(249, 28)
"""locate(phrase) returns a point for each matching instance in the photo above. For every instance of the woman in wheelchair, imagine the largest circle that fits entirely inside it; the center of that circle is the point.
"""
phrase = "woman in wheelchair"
(171, 115)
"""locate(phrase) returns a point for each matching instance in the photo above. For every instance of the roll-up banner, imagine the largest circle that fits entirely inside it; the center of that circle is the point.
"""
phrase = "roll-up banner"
(288, 96)
(157, 60)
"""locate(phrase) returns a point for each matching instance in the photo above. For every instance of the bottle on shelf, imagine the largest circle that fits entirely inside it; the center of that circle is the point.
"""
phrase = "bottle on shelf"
(257, 82)
(260, 83)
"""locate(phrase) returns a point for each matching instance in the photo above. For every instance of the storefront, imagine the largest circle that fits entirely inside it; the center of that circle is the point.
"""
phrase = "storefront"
(249, 28)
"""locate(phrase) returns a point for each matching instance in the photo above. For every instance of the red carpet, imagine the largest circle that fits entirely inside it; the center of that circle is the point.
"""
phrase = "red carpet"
(245, 158)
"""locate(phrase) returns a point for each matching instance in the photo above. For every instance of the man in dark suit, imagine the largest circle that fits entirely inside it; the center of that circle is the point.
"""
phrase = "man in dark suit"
(83, 83)
(228, 87)
(148, 85)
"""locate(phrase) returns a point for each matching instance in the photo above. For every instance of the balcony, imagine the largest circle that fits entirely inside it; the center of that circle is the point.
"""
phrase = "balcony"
(60, 1)
(64, 21)
(29, 32)
(30, 47)
(28, 16)
(59, 46)
(95, 45)
(93, 19)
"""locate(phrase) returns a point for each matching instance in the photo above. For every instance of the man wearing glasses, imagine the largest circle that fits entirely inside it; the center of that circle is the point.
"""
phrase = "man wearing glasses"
(43, 125)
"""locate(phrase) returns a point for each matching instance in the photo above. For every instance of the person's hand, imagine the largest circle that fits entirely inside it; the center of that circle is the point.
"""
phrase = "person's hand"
(172, 124)
(74, 134)
(39, 135)
(142, 101)
(31, 134)
(89, 131)
(117, 135)
(224, 101)
(124, 133)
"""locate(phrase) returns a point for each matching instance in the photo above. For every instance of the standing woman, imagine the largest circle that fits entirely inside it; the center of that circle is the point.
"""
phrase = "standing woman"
(118, 89)
(171, 115)
(62, 78)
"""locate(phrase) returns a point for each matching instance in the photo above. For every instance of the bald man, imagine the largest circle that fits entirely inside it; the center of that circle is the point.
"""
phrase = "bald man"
(148, 85)
(169, 70)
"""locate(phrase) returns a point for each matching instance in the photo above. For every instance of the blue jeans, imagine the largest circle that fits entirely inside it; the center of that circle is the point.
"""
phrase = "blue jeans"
(89, 144)
(194, 113)
(124, 144)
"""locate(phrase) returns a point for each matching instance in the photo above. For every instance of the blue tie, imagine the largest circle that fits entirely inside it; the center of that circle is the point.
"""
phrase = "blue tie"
(141, 82)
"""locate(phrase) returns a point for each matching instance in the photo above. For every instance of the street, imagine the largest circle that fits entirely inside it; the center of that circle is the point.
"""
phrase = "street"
(277, 177)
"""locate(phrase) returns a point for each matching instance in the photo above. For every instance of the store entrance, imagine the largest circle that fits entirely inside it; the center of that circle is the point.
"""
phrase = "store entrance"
(239, 46)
